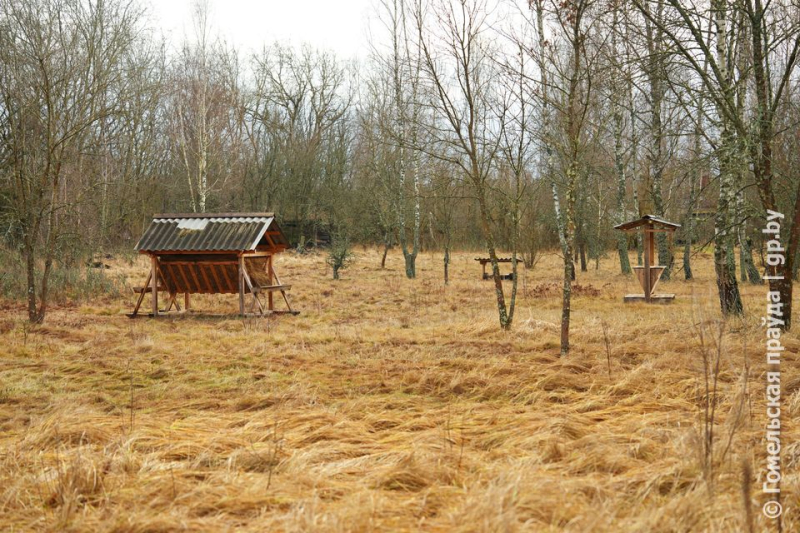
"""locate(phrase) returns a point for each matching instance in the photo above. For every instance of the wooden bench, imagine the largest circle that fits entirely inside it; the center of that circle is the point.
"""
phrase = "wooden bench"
(148, 289)
(271, 288)
(503, 277)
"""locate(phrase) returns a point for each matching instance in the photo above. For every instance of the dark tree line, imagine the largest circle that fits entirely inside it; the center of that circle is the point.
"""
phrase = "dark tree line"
(512, 126)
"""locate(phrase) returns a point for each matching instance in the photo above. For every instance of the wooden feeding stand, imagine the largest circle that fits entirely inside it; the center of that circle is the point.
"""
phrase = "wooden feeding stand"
(214, 253)
(649, 273)
(488, 261)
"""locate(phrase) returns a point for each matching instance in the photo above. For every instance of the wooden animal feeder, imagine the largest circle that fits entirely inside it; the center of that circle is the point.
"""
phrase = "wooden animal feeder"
(649, 273)
(213, 253)
(488, 261)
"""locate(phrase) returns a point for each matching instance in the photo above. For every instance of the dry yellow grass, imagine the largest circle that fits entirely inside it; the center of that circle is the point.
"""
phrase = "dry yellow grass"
(387, 405)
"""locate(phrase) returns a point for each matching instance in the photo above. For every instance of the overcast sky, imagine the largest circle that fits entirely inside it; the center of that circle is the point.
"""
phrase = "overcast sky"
(338, 25)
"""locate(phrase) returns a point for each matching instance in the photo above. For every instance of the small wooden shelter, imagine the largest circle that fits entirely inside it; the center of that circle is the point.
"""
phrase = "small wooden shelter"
(488, 261)
(213, 253)
(649, 273)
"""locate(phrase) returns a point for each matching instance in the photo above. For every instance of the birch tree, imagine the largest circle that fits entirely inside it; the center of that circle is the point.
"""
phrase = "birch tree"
(617, 99)
(543, 54)
(574, 23)
(773, 31)
(403, 65)
(205, 109)
(656, 74)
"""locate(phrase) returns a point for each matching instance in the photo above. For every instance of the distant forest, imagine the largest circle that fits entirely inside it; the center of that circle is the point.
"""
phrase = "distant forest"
(503, 125)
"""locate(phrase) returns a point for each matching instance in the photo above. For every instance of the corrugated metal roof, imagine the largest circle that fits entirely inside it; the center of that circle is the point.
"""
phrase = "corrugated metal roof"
(208, 232)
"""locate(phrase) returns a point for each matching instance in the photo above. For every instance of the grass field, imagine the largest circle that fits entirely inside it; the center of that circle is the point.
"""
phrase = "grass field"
(391, 405)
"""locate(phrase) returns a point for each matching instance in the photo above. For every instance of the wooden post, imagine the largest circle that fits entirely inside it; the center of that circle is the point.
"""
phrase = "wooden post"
(648, 250)
(241, 284)
(140, 299)
(270, 305)
(154, 283)
(186, 301)
(650, 272)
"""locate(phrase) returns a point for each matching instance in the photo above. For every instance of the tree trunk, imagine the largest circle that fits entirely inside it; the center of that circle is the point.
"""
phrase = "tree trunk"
(634, 154)
(386, 247)
(688, 224)
(411, 265)
(559, 219)
(784, 286)
(748, 268)
(637, 237)
(404, 123)
(446, 264)
(573, 131)
(569, 265)
(546, 133)
(622, 239)
(688, 227)
(582, 250)
(656, 73)
(619, 164)
(30, 275)
(761, 154)
(729, 297)
(487, 232)
(687, 254)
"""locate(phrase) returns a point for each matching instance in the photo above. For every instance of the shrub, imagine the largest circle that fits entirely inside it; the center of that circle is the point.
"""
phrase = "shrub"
(66, 283)
(339, 255)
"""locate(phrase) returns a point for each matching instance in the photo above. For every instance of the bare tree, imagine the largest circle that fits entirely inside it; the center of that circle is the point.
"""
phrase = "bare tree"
(459, 68)
(516, 142)
(374, 161)
(574, 82)
(403, 64)
(542, 55)
(205, 109)
(301, 103)
(542, 139)
(58, 58)
(618, 98)
(773, 31)
(445, 196)
(656, 73)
